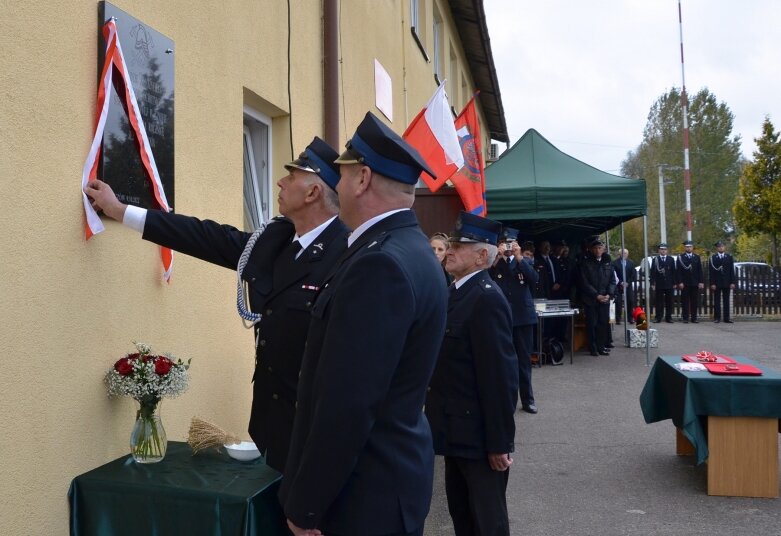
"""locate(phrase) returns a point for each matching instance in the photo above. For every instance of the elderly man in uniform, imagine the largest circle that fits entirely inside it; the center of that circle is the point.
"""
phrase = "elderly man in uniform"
(515, 275)
(473, 392)
(361, 458)
(283, 266)
(663, 281)
(689, 271)
(721, 274)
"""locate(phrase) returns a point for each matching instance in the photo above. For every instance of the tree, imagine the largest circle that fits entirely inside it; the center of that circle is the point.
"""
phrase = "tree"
(758, 206)
(715, 163)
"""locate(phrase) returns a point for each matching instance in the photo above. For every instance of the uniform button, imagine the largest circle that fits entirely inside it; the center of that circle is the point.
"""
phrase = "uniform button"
(467, 411)
(252, 280)
(270, 369)
(275, 396)
(262, 342)
(447, 330)
(268, 312)
(309, 304)
(428, 389)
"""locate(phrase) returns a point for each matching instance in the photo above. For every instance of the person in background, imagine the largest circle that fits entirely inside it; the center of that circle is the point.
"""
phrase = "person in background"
(438, 243)
(284, 267)
(474, 390)
(597, 286)
(663, 281)
(361, 459)
(623, 265)
(514, 274)
(690, 282)
(721, 272)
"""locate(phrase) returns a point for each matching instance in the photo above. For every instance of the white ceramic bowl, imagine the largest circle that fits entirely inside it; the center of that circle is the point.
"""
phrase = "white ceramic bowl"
(244, 451)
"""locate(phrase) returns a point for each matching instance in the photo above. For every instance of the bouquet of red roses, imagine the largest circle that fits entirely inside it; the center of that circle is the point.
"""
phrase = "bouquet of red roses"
(147, 378)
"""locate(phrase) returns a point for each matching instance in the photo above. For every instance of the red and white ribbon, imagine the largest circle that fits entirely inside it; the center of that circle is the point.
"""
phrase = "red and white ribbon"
(115, 58)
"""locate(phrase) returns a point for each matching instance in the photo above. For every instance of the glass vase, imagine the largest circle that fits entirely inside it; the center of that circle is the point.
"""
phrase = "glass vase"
(148, 441)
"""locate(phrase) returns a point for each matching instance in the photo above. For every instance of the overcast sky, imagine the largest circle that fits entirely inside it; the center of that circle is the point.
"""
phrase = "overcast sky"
(584, 74)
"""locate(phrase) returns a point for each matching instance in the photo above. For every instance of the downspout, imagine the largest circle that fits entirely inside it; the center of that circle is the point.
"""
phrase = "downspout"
(331, 72)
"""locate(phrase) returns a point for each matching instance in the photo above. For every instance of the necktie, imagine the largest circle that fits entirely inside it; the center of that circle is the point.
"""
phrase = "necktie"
(292, 250)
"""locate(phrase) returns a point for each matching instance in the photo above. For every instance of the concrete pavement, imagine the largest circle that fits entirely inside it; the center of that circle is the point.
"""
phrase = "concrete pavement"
(588, 464)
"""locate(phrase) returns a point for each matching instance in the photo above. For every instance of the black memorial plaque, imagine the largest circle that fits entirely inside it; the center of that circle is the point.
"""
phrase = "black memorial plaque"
(149, 57)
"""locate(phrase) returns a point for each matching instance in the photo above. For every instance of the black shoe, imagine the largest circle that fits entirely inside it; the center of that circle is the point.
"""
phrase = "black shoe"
(609, 345)
(593, 352)
(685, 321)
(529, 408)
(729, 322)
(658, 321)
(695, 321)
(669, 321)
(604, 352)
(716, 321)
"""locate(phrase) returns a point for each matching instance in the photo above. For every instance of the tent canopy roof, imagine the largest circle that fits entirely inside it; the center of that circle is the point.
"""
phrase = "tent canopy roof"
(547, 193)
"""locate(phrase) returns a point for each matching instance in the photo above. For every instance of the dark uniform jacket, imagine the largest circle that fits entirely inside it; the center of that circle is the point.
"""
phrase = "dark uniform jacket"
(596, 277)
(516, 280)
(547, 275)
(721, 272)
(474, 390)
(689, 270)
(281, 289)
(361, 460)
(663, 273)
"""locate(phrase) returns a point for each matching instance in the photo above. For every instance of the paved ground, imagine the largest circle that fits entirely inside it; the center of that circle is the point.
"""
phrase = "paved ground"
(587, 464)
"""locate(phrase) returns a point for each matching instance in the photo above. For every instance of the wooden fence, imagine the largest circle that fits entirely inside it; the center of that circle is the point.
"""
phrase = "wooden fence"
(757, 293)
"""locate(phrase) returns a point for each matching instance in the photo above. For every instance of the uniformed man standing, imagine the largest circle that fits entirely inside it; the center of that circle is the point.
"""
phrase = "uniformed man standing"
(473, 392)
(283, 267)
(627, 277)
(597, 285)
(663, 281)
(721, 274)
(515, 276)
(690, 282)
(361, 458)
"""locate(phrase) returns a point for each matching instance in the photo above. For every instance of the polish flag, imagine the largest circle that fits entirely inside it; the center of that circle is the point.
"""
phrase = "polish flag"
(433, 134)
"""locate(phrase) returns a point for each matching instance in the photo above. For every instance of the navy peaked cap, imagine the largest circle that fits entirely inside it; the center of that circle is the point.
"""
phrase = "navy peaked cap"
(375, 145)
(719, 243)
(688, 243)
(474, 228)
(509, 234)
(662, 245)
(318, 158)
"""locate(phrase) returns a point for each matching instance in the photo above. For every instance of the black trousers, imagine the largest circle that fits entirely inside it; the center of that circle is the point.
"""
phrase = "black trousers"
(597, 325)
(664, 304)
(476, 497)
(523, 339)
(721, 300)
(690, 301)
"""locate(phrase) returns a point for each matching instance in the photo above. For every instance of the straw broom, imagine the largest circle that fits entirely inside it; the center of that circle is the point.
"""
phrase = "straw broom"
(204, 435)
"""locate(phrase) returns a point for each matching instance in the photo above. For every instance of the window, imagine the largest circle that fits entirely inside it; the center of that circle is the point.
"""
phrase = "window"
(452, 78)
(416, 27)
(437, 35)
(257, 178)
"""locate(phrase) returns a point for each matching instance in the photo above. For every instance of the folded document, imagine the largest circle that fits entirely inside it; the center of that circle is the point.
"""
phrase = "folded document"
(690, 367)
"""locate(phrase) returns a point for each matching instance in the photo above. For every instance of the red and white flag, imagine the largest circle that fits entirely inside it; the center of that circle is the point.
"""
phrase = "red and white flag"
(470, 179)
(433, 134)
(115, 59)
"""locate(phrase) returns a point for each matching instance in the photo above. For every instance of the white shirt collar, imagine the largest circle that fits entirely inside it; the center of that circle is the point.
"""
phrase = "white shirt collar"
(466, 278)
(362, 228)
(307, 238)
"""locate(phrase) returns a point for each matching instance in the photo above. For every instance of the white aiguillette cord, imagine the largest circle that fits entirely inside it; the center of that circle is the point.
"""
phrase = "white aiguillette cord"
(248, 318)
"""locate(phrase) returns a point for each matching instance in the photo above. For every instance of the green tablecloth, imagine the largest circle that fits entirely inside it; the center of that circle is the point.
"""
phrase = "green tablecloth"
(688, 398)
(209, 493)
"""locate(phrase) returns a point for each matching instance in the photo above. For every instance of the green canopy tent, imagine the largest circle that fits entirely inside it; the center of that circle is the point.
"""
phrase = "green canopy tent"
(546, 193)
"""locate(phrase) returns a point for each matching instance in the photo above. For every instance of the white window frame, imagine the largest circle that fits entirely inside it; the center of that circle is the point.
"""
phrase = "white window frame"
(257, 130)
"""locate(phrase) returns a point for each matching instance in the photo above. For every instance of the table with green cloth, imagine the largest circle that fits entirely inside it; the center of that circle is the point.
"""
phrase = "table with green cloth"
(209, 493)
(688, 398)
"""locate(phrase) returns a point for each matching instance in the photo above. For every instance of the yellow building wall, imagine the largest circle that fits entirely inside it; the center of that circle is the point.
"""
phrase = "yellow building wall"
(70, 308)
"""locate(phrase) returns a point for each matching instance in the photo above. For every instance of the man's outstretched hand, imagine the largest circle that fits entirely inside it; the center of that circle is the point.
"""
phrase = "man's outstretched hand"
(103, 198)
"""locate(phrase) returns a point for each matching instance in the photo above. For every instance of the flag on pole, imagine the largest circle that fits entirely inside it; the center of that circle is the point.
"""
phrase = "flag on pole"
(470, 179)
(433, 134)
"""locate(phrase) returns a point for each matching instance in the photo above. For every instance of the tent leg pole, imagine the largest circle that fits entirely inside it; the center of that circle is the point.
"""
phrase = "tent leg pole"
(624, 289)
(647, 277)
